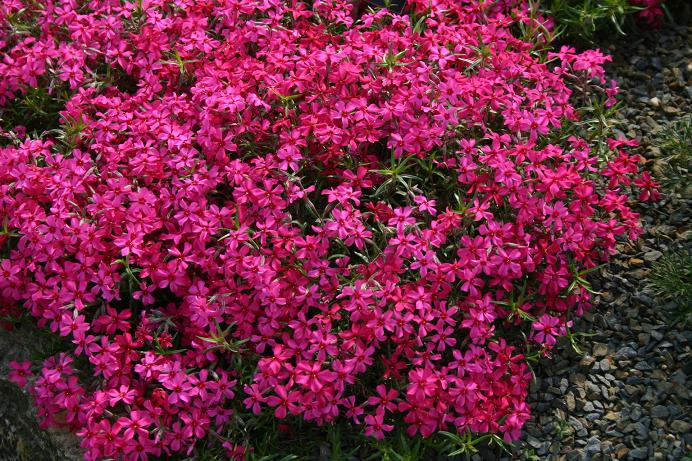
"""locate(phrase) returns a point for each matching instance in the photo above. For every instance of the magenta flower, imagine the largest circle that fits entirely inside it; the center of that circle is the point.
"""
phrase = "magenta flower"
(375, 426)
(546, 330)
(19, 372)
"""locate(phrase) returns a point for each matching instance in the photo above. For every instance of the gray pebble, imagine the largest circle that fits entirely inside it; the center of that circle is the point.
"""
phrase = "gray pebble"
(639, 453)
(593, 445)
(659, 411)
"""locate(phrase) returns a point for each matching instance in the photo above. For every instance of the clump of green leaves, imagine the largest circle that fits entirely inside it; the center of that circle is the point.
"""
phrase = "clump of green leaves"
(675, 143)
(671, 276)
(671, 279)
(563, 429)
(468, 444)
(36, 109)
(585, 18)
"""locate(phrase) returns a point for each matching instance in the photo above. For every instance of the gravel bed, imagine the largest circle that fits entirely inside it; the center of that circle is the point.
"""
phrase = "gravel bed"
(628, 396)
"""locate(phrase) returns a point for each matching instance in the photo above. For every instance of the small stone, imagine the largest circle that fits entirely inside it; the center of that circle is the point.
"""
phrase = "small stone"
(575, 455)
(604, 364)
(679, 377)
(632, 391)
(659, 411)
(652, 255)
(612, 416)
(626, 352)
(588, 407)
(593, 391)
(534, 442)
(569, 400)
(609, 393)
(636, 414)
(655, 102)
(535, 385)
(680, 426)
(600, 350)
(642, 366)
(636, 262)
(658, 423)
(564, 384)
(639, 453)
(649, 396)
(579, 379)
(587, 361)
(576, 424)
(635, 380)
(641, 429)
(593, 445)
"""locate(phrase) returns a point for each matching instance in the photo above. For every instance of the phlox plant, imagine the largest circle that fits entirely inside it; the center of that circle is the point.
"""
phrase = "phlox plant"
(248, 211)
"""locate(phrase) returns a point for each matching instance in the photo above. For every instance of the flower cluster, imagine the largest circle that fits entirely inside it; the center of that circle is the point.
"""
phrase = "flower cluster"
(272, 206)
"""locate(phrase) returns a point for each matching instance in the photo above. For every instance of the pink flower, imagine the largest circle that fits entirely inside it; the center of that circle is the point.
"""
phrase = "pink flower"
(547, 330)
(375, 426)
(311, 375)
(19, 372)
(254, 398)
(384, 400)
(402, 217)
(179, 387)
(136, 424)
(122, 394)
(422, 384)
(284, 402)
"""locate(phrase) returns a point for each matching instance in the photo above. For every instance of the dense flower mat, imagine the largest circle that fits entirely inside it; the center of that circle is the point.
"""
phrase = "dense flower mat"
(252, 207)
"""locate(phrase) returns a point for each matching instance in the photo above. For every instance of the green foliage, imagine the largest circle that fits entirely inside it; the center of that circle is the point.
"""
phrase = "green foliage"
(585, 18)
(671, 279)
(574, 339)
(468, 443)
(675, 143)
(268, 439)
(563, 429)
(671, 276)
(36, 109)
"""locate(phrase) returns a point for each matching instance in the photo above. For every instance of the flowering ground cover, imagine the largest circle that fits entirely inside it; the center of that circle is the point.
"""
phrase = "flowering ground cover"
(247, 217)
